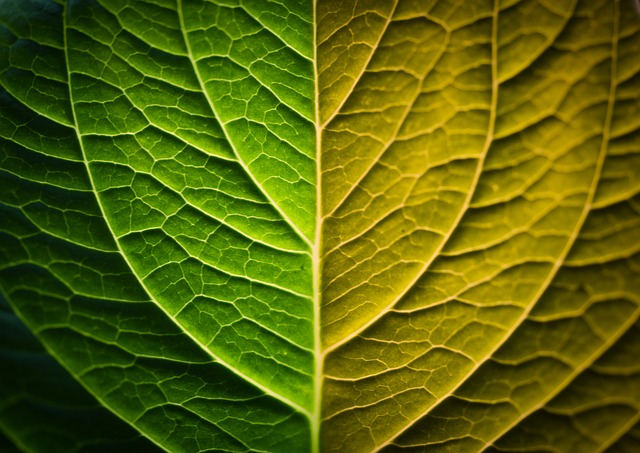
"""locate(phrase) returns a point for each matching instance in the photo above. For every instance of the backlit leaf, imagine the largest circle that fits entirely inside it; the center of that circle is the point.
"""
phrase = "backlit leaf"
(332, 226)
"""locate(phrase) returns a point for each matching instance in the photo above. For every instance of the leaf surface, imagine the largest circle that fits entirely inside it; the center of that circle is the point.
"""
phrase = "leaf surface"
(335, 226)
(469, 178)
(44, 409)
(114, 252)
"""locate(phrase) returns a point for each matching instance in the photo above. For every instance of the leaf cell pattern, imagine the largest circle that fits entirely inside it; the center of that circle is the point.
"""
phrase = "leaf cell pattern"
(351, 226)
(462, 285)
(126, 246)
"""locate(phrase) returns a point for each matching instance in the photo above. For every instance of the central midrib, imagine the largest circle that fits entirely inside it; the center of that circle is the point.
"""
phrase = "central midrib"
(316, 419)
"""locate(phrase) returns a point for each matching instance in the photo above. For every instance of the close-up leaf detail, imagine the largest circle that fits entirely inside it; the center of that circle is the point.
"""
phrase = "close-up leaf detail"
(319, 226)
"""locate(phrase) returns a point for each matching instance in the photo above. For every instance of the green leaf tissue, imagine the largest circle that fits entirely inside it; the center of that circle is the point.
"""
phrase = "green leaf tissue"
(296, 226)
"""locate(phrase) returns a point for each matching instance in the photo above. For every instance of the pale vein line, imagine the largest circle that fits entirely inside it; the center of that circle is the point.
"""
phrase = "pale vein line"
(268, 87)
(256, 322)
(487, 145)
(611, 340)
(33, 108)
(606, 202)
(389, 397)
(142, 109)
(550, 40)
(40, 149)
(405, 365)
(394, 137)
(623, 430)
(290, 45)
(316, 420)
(71, 372)
(199, 415)
(397, 208)
(599, 259)
(116, 344)
(222, 221)
(631, 319)
(358, 76)
(17, 441)
(135, 32)
(44, 182)
(294, 227)
(239, 373)
(102, 401)
(67, 285)
(556, 267)
(464, 207)
(45, 231)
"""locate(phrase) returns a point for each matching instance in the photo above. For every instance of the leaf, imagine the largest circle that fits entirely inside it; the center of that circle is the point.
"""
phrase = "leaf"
(44, 409)
(100, 219)
(512, 195)
(336, 226)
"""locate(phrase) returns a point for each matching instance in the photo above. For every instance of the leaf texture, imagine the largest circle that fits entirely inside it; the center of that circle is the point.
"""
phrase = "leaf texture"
(95, 197)
(44, 409)
(468, 186)
(332, 226)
